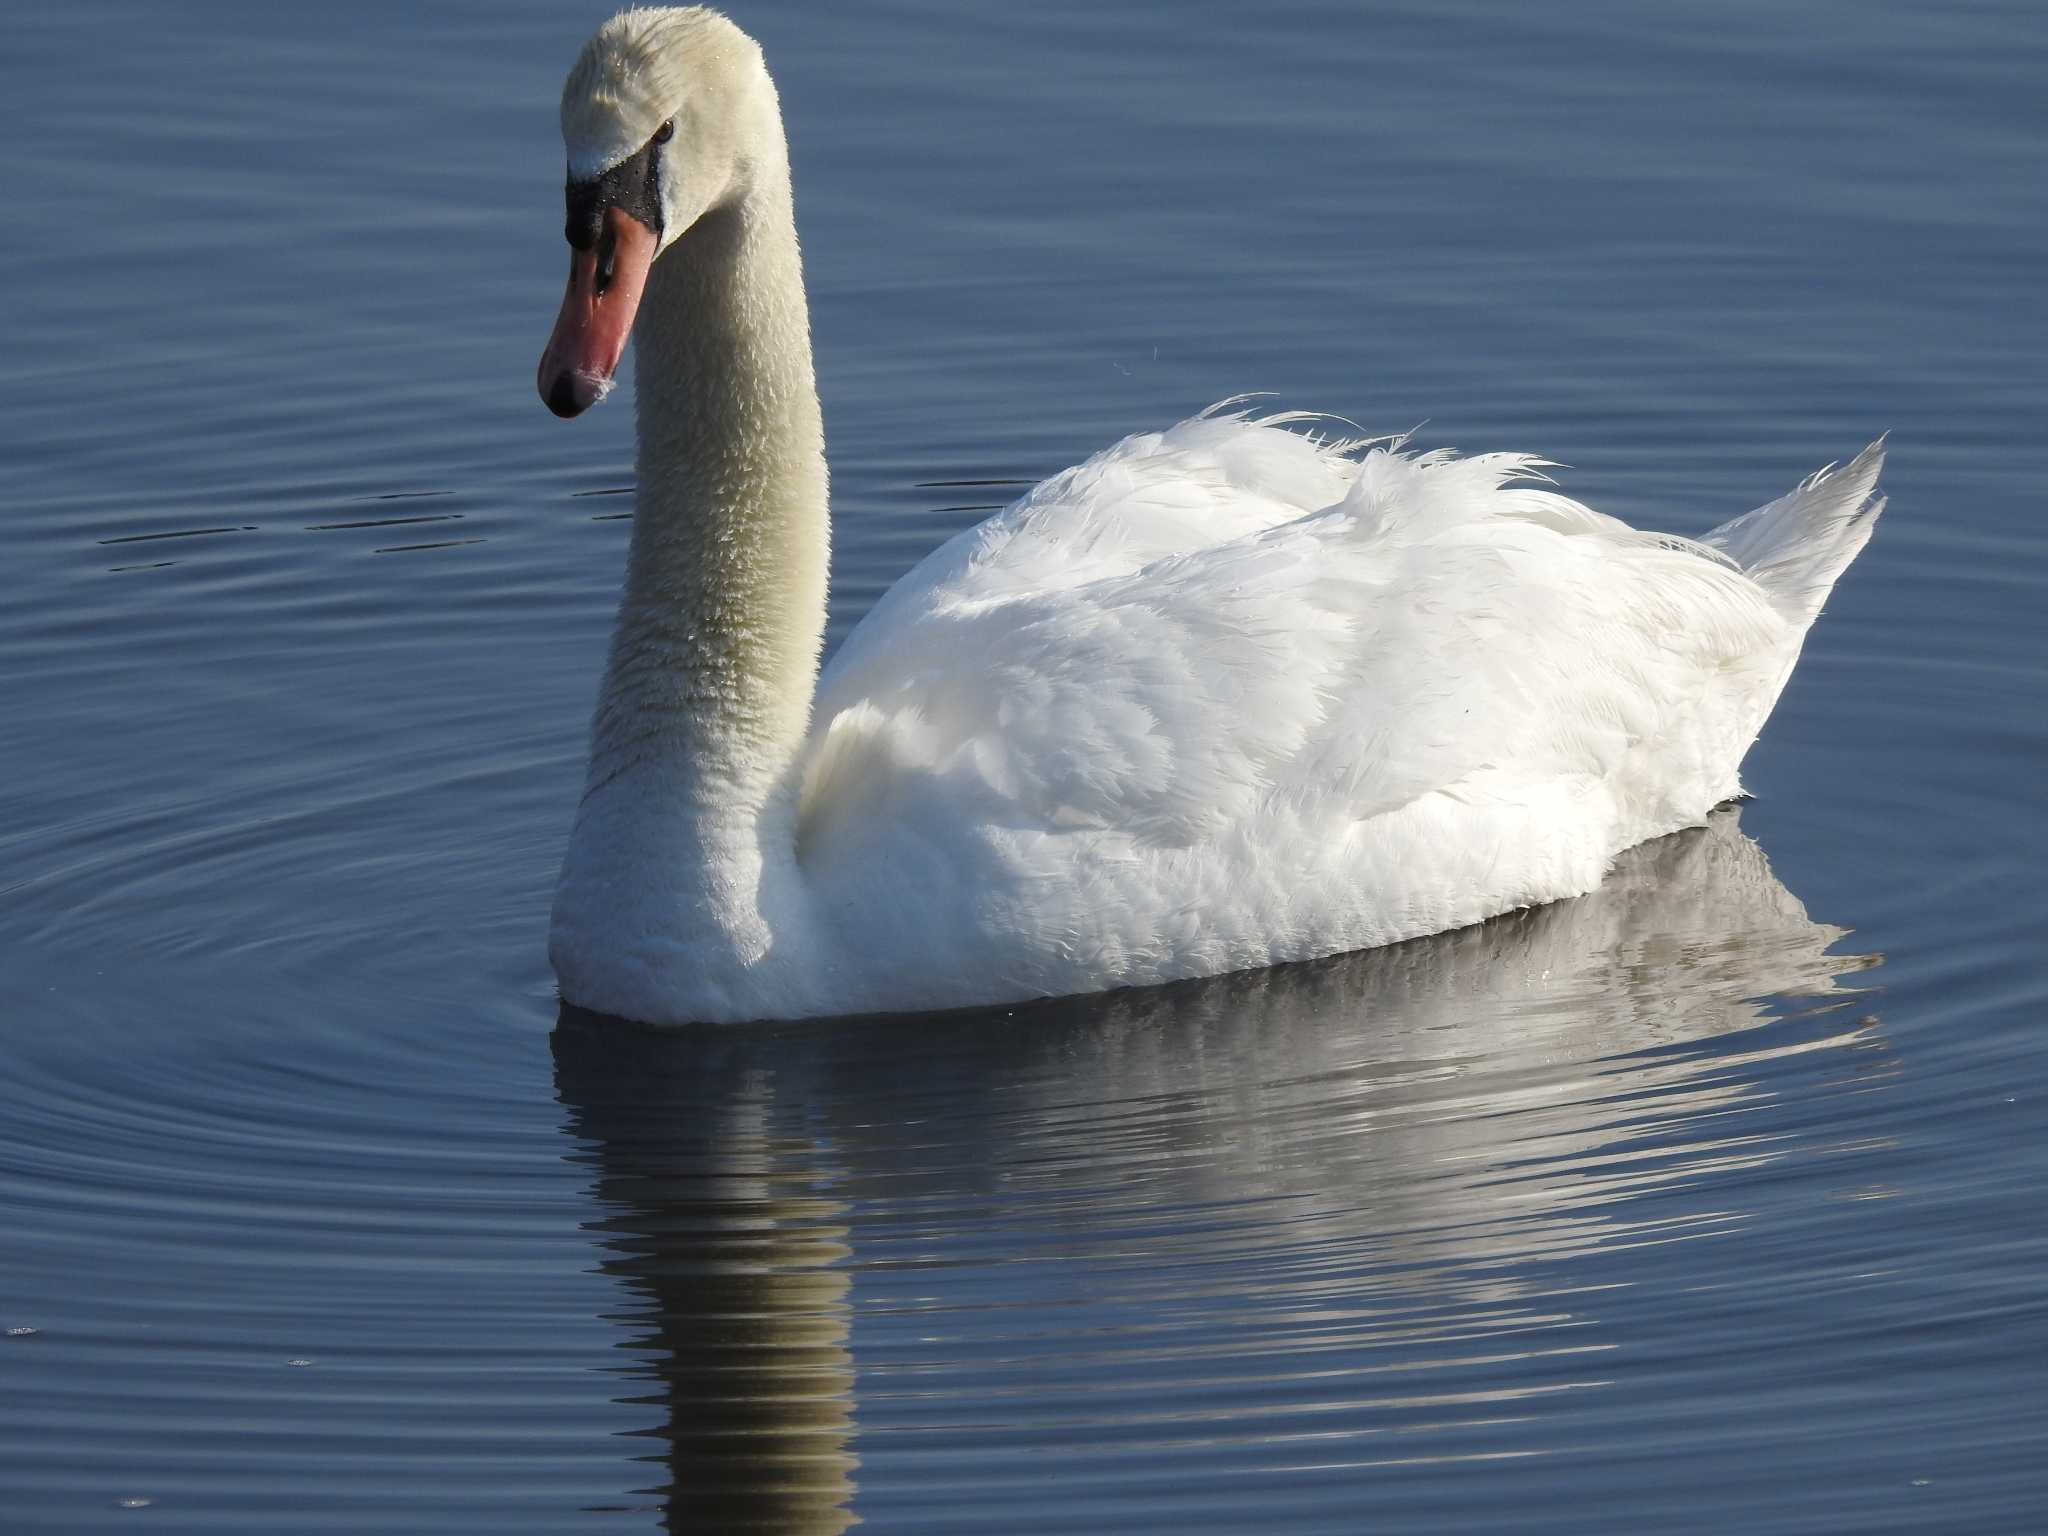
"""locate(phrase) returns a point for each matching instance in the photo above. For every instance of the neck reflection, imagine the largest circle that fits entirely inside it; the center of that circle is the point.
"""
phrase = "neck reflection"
(730, 1248)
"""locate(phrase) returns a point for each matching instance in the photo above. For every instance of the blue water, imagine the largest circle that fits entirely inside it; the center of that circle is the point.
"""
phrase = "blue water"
(1711, 1202)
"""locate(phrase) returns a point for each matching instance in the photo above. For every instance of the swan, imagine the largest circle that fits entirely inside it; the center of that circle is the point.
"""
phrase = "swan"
(1225, 695)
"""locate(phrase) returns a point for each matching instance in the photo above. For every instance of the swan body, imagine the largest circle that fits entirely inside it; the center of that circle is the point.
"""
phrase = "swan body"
(1222, 696)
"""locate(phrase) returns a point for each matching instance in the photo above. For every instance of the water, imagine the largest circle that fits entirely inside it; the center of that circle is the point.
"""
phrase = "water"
(1711, 1202)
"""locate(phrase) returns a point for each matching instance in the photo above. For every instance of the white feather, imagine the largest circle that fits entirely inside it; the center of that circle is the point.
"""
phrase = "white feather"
(1219, 698)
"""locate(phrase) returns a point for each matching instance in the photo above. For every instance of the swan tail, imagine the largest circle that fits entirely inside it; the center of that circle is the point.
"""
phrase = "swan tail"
(1798, 545)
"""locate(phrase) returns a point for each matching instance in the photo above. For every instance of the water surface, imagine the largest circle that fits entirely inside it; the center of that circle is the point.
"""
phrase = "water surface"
(1709, 1202)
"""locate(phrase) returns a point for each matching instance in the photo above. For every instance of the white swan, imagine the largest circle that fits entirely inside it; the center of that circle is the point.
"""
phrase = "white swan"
(1220, 697)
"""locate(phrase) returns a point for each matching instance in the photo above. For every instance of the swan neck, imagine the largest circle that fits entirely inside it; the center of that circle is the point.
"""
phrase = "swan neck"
(715, 656)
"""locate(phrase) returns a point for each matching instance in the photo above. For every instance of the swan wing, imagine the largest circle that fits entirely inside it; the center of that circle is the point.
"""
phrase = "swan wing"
(1206, 481)
(1228, 628)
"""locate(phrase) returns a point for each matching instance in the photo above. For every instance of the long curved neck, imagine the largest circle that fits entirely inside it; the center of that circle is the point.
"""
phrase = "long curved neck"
(715, 655)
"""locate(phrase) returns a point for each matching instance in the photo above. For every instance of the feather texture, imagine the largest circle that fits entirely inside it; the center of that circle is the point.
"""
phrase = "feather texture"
(1222, 697)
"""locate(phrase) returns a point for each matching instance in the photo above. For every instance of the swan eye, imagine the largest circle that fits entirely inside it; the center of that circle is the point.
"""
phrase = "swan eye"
(665, 132)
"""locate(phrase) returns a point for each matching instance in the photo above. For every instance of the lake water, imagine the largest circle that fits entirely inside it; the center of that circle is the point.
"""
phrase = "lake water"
(1712, 1202)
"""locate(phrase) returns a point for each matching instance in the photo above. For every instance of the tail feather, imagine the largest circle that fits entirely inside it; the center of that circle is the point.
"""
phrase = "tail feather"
(1799, 544)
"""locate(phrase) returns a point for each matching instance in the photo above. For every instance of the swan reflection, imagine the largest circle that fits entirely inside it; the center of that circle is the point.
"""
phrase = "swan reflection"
(1359, 1173)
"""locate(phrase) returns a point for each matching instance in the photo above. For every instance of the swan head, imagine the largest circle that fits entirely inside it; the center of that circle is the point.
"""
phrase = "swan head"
(662, 116)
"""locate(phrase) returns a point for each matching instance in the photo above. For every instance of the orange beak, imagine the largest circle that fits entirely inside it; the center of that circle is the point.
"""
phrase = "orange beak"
(605, 284)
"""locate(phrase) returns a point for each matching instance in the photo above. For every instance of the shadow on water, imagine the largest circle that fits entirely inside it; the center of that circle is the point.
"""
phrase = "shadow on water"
(1423, 1128)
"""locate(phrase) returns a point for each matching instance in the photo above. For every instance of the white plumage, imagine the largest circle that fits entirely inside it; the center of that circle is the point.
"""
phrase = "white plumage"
(1222, 696)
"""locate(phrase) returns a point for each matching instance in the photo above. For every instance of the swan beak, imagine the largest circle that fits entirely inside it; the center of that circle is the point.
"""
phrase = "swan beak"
(606, 279)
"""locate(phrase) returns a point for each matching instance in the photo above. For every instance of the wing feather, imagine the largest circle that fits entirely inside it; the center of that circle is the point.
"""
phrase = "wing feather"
(1228, 621)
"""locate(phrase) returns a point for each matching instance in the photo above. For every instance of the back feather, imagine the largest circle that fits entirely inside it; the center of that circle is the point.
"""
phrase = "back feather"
(1797, 546)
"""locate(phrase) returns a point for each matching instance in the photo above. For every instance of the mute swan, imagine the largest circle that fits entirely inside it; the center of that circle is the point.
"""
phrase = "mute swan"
(1223, 696)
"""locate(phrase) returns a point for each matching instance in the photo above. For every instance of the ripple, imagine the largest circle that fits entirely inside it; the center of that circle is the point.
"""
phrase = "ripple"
(1362, 1213)
(1664, 1210)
